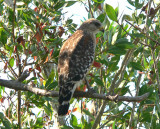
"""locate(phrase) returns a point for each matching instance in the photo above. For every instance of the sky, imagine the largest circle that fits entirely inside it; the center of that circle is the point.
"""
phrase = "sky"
(79, 12)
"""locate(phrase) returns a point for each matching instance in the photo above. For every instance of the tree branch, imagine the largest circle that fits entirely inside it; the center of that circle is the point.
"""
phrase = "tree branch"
(24, 87)
(90, 9)
(100, 113)
(23, 76)
(156, 70)
(142, 32)
(134, 104)
(120, 74)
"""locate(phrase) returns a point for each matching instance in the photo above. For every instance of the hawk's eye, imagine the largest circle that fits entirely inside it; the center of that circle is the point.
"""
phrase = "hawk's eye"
(97, 24)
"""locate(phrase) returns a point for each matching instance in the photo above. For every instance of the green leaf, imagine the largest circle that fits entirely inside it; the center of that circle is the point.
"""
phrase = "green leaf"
(157, 125)
(11, 15)
(139, 50)
(5, 121)
(116, 50)
(98, 1)
(112, 67)
(117, 10)
(70, 3)
(3, 36)
(11, 62)
(98, 81)
(1, 8)
(52, 74)
(101, 17)
(74, 122)
(131, 2)
(85, 124)
(111, 12)
(124, 90)
(143, 90)
(1, 90)
(52, 85)
(31, 79)
(149, 22)
(103, 61)
(51, 27)
(138, 35)
(124, 44)
(47, 109)
(39, 123)
(138, 5)
(146, 117)
(137, 66)
(88, 113)
(48, 82)
(113, 125)
(59, 5)
(127, 17)
(146, 64)
(66, 127)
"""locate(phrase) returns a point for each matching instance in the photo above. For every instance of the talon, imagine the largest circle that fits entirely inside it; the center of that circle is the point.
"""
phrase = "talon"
(116, 98)
(90, 89)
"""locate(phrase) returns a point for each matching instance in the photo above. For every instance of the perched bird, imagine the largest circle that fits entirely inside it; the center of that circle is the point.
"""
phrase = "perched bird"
(75, 58)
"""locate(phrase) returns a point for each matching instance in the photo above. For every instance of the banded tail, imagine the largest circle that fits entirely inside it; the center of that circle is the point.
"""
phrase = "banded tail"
(65, 94)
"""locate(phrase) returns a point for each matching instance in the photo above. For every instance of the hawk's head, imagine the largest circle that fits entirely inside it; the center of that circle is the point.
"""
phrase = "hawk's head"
(92, 25)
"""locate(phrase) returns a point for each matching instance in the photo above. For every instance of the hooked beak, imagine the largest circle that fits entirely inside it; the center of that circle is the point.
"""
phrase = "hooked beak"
(101, 29)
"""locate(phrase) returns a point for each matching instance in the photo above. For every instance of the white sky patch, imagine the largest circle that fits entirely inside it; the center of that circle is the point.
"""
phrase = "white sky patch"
(77, 12)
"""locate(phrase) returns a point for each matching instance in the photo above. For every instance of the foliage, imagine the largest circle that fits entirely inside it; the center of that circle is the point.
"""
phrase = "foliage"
(126, 63)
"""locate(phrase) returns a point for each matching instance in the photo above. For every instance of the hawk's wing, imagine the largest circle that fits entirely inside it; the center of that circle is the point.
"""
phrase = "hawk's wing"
(75, 58)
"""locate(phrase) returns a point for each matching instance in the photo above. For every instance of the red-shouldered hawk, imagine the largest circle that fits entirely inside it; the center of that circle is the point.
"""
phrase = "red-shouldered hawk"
(75, 58)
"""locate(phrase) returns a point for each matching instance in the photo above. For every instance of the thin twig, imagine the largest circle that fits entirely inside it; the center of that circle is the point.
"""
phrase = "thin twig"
(19, 65)
(155, 11)
(142, 32)
(14, 6)
(121, 70)
(100, 113)
(134, 104)
(90, 9)
(134, 37)
(156, 70)
(154, 31)
(9, 67)
(112, 118)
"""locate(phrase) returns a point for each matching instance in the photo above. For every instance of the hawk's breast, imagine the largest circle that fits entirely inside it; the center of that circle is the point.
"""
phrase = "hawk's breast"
(76, 56)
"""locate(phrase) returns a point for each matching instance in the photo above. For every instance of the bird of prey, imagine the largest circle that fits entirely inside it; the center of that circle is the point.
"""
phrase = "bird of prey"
(75, 58)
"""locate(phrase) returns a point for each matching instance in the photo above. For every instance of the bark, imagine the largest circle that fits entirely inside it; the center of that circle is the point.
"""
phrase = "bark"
(24, 87)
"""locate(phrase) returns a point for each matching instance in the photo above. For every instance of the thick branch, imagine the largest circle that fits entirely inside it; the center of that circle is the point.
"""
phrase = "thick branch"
(24, 87)
(120, 74)
(100, 113)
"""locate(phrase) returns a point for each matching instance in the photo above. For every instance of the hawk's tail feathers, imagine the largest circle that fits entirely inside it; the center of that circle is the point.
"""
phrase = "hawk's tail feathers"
(63, 109)
(65, 95)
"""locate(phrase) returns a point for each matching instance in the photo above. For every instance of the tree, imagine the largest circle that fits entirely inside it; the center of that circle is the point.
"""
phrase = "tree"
(125, 73)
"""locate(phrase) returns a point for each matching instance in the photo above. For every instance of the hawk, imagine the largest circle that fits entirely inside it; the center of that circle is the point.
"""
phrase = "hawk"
(75, 58)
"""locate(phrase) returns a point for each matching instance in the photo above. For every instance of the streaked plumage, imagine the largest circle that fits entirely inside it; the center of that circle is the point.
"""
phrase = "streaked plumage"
(75, 58)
